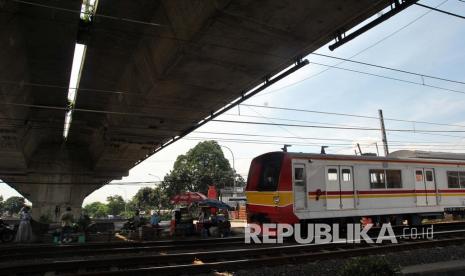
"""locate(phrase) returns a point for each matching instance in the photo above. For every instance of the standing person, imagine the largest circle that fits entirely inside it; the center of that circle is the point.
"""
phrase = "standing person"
(57, 212)
(136, 219)
(155, 219)
(67, 220)
(24, 233)
(154, 222)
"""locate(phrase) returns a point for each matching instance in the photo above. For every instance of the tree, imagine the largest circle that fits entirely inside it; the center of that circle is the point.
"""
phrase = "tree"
(1, 205)
(200, 167)
(151, 199)
(96, 210)
(13, 204)
(115, 205)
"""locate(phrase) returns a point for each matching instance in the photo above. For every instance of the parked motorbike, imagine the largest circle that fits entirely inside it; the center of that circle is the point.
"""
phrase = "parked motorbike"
(7, 232)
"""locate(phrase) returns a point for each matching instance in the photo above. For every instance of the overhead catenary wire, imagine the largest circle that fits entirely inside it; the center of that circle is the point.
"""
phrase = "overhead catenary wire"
(136, 183)
(119, 92)
(153, 24)
(138, 94)
(26, 2)
(332, 144)
(333, 127)
(390, 78)
(322, 140)
(389, 68)
(248, 105)
(350, 115)
(359, 52)
(305, 138)
(439, 10)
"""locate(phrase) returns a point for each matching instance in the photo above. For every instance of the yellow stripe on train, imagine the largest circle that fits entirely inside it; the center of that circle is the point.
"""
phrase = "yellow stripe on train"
(278, 198)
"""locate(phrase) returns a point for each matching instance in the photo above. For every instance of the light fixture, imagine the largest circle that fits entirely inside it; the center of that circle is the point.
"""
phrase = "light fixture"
(76, 69)
(88, 9)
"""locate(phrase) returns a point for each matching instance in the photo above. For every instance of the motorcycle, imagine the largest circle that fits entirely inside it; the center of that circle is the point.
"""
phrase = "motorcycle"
(7, 232)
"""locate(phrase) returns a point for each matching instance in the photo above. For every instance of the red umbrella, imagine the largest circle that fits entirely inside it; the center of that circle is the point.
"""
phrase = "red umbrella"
(187, 198)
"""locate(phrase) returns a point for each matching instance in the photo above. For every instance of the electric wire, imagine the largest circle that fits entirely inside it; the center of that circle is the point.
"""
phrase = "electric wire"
(351, 115)
(306, 138)
(389, 78)
(153, 24)
(441, 11)
(388, 68)
(356, 54)
(332, 127)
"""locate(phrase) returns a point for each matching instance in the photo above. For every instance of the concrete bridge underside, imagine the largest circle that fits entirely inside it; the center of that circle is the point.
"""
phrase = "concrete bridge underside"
(201, 56)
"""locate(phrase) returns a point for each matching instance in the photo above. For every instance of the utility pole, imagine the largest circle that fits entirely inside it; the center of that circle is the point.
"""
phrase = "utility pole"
(383, 133)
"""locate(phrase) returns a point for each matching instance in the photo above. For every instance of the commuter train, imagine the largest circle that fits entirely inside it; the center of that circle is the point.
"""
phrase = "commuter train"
(404, 187)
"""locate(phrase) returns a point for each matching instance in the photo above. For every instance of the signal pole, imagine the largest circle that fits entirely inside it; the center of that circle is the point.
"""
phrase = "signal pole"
(383, 133)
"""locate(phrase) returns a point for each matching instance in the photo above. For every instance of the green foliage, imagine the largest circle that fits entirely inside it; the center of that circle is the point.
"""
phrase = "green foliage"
(194, 171)
(200, 167)
(150, 199)
(96, 210)
(13, 204)
(376, 266)
(1, 205)
(115, 205)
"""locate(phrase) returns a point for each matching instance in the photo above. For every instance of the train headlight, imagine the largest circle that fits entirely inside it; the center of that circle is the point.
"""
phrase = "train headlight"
(276, 200)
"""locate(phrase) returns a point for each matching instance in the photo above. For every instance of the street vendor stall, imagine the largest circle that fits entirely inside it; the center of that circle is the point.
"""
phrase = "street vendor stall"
(213, 218)
(182, 220)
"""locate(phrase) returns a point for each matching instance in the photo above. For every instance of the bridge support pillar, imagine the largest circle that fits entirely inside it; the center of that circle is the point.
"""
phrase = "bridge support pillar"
(46, 197)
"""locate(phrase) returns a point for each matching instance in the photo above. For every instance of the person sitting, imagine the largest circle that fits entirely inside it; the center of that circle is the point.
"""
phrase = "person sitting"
(224, 226)
(67, 220)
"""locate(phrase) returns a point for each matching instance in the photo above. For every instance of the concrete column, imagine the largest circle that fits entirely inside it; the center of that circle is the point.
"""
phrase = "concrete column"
(45, 198)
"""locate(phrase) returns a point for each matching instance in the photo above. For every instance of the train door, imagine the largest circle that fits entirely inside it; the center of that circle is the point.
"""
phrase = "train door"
(420, 187)
(430, 183)
(333, 188)
(347, 188)
(299, 180)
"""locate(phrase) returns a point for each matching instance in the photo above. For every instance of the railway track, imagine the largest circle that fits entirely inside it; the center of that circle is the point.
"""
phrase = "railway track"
(219, 258)
(95, 249)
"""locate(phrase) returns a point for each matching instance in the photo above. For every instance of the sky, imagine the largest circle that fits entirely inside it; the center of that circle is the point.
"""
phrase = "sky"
(416, 40)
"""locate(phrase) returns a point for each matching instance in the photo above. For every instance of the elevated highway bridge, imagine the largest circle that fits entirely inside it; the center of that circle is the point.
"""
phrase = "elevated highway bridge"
(152, 70)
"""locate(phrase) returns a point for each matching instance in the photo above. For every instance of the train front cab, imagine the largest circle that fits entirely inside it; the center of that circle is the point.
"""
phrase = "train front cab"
(269, 190)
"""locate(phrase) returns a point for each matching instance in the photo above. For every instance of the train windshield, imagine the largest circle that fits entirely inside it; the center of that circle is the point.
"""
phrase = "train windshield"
(269, 176)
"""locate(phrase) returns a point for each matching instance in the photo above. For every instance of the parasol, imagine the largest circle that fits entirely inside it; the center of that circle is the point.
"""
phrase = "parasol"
(214, 203)
(187, 198)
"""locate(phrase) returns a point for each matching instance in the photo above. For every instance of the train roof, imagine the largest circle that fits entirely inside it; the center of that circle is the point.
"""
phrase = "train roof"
(399, 156)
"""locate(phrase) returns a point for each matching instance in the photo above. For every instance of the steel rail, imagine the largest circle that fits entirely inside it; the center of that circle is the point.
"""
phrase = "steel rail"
(220, 259)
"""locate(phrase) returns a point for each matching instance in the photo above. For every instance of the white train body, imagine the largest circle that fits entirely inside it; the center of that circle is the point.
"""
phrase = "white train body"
(316, 186)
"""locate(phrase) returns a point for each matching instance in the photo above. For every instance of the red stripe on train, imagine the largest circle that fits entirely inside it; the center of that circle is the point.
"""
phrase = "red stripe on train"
(384, 192)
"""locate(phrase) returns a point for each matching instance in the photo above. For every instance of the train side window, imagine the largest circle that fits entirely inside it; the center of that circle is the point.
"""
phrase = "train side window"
(346, 176)
(453, 179)
(419, 175)
(394, 178)
(462, 179)
(377, 180)
(429, 176)
(332, 174)
(299, 176)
